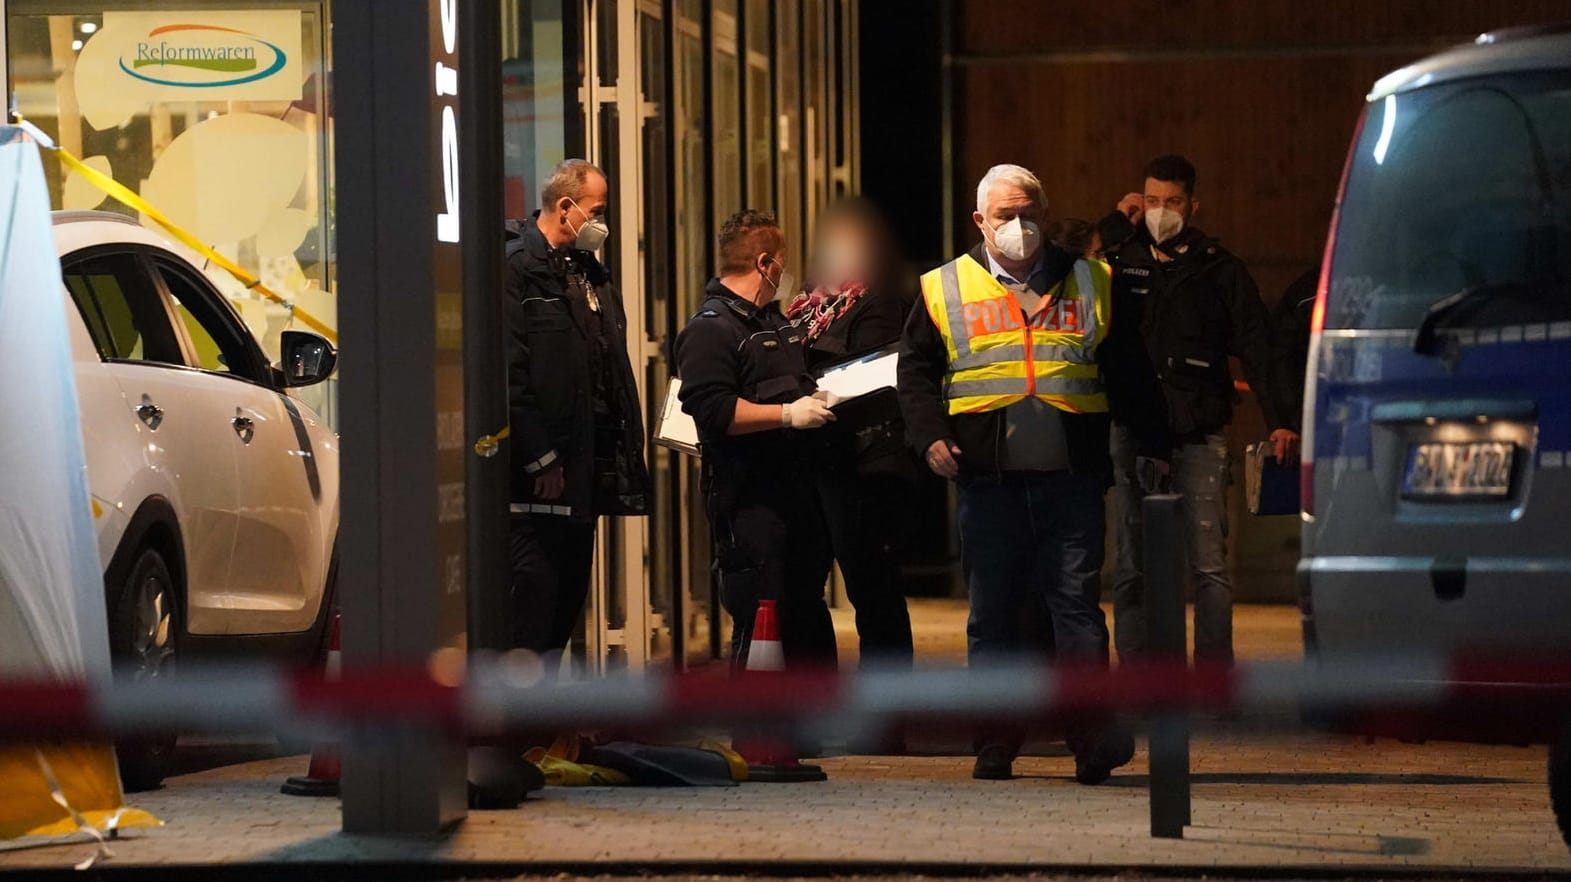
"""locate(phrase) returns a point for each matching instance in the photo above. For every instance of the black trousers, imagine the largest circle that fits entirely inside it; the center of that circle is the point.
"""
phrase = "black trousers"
(770, 544)
(551, 558)
(866, 519)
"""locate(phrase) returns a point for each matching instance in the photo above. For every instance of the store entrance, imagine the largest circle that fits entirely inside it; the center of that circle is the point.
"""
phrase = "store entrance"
(216, 114)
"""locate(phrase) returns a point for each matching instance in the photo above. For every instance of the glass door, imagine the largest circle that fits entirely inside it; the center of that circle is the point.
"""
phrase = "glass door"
(222, 124)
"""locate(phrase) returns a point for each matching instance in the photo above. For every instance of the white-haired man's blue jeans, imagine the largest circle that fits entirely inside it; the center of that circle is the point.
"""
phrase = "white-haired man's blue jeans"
(1034, 537)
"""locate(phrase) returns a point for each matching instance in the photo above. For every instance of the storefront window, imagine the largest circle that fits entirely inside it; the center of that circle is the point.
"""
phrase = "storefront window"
(726, 120)
(693, 220)
(759, 108)
(788, 108)
(215, 117)
(693, 211)
(534, 117)
(657, 184)
(814, 123)
(605, 14)
(666, 521)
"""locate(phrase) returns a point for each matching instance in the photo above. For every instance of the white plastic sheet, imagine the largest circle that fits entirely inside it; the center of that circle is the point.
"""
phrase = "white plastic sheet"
(52, 615)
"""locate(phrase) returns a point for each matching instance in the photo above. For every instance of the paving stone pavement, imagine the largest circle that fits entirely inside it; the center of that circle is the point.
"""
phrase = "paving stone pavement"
(1309, 801)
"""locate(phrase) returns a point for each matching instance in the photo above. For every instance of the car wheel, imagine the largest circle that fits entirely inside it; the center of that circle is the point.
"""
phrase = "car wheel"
(144, 628)
(1560, 785)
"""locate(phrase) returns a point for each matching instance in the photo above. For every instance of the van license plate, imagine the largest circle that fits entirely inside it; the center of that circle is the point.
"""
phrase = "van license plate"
(1459, 470)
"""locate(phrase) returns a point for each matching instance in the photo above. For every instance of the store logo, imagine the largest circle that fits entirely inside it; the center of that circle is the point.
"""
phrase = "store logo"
(202, 57)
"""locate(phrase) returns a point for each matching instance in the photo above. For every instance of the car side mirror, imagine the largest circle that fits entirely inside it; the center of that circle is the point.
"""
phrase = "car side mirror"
(307, 359)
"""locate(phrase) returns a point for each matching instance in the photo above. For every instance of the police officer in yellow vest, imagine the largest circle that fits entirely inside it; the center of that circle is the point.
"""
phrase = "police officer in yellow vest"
(1010, 367)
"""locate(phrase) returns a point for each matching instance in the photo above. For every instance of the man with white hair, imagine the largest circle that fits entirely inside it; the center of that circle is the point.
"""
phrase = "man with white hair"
(1009, 371)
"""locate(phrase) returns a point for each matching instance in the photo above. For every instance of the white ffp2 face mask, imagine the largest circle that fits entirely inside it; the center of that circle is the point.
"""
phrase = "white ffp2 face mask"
(1163, 223)
(785, 287)
(1017, 239)
(592, 234)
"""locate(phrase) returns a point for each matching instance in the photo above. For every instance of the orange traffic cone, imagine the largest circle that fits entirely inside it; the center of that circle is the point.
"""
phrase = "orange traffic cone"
(769, 758)
(321, 778)
(763, 651)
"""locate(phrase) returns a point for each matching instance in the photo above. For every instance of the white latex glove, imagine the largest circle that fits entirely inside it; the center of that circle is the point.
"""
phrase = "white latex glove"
(806, 412)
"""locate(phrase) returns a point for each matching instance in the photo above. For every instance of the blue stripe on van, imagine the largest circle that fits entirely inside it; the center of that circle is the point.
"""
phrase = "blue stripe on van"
(1357, 373)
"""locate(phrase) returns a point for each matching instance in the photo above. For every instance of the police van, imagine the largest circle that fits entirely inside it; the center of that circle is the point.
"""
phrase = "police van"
(1436, 485)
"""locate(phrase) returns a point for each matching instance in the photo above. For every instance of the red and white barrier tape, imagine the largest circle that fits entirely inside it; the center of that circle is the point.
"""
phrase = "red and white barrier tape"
(496, 695)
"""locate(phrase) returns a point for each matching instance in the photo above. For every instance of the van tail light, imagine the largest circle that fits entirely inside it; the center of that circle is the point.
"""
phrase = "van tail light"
(1306, 484)
(1317, 323)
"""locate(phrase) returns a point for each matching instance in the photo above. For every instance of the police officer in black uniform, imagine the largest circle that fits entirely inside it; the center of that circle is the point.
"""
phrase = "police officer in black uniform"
(578, 440)
(745, 383)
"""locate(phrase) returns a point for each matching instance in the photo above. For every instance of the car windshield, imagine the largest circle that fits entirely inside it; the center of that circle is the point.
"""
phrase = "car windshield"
(1457, 187)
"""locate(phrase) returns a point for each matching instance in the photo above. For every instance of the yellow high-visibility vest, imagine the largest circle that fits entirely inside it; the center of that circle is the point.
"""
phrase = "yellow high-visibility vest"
(996, 359)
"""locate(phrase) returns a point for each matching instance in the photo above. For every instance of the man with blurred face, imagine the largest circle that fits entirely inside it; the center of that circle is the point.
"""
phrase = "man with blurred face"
(1009, 370)
(860, 295)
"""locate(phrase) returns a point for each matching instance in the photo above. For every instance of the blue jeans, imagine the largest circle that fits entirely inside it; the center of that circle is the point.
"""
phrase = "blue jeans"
(1200, 475)
(1037, 537)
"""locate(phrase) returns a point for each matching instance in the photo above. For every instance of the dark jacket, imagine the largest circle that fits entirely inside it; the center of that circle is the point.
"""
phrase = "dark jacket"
(732, 349)
(1195, 311)
(1290, 346)
(873, 322)
(1133, 395)
(560, 411)
(869, 436)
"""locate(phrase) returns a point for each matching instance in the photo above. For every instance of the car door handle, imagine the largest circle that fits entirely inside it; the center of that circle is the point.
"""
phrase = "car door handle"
(244, 428)
(150, 413)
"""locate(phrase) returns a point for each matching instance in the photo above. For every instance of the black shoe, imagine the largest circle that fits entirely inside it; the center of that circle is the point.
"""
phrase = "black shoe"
(500, 779)
(1112, 750)
(993, 764)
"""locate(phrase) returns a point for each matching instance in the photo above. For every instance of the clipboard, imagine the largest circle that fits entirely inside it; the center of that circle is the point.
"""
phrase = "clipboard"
(675, 429)
(864, 377)
(859, 376)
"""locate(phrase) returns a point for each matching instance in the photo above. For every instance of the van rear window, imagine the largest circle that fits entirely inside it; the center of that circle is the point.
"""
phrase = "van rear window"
(1459, 187)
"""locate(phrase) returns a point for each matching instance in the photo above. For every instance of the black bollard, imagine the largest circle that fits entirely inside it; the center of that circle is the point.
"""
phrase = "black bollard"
(1166, 640)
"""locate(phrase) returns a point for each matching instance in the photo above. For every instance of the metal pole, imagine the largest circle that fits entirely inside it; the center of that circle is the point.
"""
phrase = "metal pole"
(485, 389)
(1166, 639)
(674, 510)
(404, 540)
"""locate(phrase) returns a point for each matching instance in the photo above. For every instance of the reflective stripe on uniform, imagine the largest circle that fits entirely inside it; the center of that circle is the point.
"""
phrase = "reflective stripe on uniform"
(954, 309)
(1019, 386)
(1017, 352)
(537, 508)
(1087, 288)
